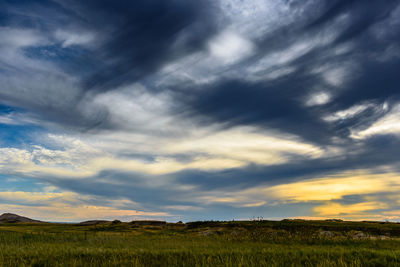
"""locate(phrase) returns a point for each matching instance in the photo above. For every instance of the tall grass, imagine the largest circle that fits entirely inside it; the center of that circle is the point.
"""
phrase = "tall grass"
(124, 245)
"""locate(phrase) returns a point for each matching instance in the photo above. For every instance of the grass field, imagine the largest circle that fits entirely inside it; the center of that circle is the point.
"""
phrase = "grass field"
(252, 243)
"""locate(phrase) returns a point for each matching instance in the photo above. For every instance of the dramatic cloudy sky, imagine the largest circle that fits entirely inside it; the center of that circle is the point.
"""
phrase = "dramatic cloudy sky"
(204, 109)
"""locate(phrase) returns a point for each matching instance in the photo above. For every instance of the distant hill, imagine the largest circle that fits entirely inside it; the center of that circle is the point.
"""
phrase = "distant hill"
(150, 222)
(14, 218)
(93, 222)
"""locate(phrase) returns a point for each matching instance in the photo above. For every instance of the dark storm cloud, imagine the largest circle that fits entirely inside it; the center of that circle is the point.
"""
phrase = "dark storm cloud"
(357, 17)
(376, 82)
(138, 37)
(279, 103)
(131, 39)
(271, 105)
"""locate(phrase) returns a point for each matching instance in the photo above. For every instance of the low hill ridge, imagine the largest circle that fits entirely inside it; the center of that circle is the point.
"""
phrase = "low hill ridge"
(14, 218)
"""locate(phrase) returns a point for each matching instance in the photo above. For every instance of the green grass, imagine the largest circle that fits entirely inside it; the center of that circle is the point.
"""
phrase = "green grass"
(287, 243)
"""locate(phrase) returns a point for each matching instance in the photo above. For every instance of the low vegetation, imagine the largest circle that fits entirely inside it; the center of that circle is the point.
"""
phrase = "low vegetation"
(242, 243)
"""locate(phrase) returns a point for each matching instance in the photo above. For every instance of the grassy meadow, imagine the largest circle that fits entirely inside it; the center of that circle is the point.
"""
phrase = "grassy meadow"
(250, 243)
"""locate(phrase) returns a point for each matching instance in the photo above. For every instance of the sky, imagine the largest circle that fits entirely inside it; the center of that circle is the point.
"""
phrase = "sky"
(200, 110)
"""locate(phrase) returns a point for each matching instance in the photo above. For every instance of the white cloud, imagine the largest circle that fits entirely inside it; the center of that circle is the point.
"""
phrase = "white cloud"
(257, 17)
(206, 149)
(230, 47)
(15, 38)
(348, 113)
(16, 118)
(138, 109)
(279, 60)
(29, 82)
(282, 57)
(335, 76)
(278, 73)
(74, 38)
(246, 145)
(389, 124)
(319, 98)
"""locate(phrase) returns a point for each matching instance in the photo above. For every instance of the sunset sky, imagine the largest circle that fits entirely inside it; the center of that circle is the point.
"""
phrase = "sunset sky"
(199, 110)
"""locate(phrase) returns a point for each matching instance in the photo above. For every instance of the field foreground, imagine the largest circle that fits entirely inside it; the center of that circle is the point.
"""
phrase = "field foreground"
(245, 243)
